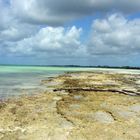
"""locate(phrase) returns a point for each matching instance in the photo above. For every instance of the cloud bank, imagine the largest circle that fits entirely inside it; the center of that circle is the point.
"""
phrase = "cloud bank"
(37, 29)
(58, 12)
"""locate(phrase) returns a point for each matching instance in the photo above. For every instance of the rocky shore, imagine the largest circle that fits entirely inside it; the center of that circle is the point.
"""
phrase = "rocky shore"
(76, 106)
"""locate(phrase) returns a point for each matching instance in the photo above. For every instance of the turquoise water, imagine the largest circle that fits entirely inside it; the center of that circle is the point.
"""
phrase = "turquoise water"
(27, 69)
(18, 80)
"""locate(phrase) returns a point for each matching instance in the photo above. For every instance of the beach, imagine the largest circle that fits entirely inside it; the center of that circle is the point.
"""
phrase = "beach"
(69, 70)
(86, 105)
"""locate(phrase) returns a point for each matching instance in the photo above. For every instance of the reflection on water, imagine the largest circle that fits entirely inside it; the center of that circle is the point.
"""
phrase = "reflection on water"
(13, 84)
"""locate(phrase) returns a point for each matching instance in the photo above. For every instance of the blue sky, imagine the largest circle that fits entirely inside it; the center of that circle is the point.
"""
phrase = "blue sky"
(60, 32)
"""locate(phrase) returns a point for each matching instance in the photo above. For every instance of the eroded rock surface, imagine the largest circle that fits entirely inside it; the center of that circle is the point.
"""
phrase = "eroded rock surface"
(66, 111)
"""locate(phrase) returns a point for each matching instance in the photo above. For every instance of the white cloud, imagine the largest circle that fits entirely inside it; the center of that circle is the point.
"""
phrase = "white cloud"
(11, 29)
(114, 35)
(35, 27)
(49, 41)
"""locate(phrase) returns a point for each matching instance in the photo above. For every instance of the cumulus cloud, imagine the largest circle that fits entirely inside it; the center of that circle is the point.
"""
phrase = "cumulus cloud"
(49, 41)
(35, 28)
(114, 35)
(10, 28)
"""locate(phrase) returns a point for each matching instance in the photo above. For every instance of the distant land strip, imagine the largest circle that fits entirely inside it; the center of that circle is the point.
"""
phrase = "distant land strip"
(80, 66)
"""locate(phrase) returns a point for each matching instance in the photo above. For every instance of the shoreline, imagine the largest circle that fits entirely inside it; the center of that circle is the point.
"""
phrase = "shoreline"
(67, 111)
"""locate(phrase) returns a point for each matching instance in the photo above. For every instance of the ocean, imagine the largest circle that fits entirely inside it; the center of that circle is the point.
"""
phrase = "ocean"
(18, 80)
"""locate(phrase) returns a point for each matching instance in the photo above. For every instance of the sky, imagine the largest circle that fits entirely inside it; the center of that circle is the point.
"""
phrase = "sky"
(70, 32)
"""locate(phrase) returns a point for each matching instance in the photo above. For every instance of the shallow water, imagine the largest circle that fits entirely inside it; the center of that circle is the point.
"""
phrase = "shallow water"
(18, 80)
(13, 84)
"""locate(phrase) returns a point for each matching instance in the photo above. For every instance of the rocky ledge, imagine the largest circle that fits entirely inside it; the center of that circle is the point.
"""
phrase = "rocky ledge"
(80, 105)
